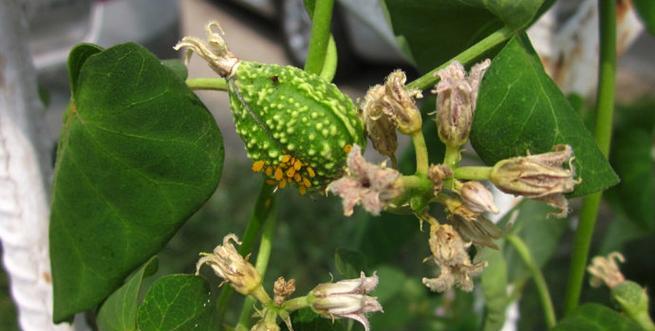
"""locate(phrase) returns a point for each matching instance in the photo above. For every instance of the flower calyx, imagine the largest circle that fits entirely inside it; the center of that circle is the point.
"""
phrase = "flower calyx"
(540, 176)
(233, 268)
(346, 299)
(214, 50)
(457, 95)
(372, 186)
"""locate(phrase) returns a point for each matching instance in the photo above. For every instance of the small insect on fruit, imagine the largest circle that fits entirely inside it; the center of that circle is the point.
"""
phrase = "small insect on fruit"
(296, 126)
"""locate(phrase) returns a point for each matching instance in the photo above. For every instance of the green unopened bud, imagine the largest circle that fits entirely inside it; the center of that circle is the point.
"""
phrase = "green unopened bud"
(633, 300)
(296, 126)
(540, 176)
(457, 95)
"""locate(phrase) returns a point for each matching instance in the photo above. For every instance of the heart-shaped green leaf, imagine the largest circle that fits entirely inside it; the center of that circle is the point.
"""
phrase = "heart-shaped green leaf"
(176, 303)
(595, 317)
(118, 312)
(139, 153)
(520, 110)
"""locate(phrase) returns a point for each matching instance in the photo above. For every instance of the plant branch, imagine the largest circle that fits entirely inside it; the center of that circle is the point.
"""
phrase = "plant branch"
(320, 36)
(421, 153)
(498, 37)
(263, 208)
(473, 173)
(537, 276)
(263, 256)
(217, 84)
(603, 135)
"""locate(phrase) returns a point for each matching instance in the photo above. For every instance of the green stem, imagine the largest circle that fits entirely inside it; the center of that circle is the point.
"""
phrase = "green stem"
(421, 150)
(320, 36)
(452, 156)
(261, 265)
(217, 84)
(330, 65)
(263, 208)
(473, 173)
(498, 37)
(603, 135)
(296, 303)
(538, 277)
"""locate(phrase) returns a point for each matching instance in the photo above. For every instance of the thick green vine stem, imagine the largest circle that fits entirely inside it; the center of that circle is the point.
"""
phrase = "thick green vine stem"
(537, 276)
(263, 256)
(320, 36)
(217, 84)
(603, 135)
(262, 210)
(473, 173)
(467, 56)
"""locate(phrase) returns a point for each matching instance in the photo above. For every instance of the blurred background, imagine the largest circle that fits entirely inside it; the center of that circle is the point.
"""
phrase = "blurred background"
(309, 231)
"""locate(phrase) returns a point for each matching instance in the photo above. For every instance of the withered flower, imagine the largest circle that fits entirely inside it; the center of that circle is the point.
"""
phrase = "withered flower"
(438, 173)
(228, 264)
(282, 289)
(449, 252)
(540, 176)
(457, 95)
(346, 299)
(214, 51)
(477, 198)
(605, 270)
(389, 107)
(366, 183)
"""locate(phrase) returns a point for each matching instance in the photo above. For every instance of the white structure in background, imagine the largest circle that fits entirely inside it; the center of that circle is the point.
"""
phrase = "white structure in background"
(24, 173)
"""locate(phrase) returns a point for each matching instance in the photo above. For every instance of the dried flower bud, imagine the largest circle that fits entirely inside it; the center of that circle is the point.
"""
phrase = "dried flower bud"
(605, 270)
(268, 321)
(390, 106)
(471, 226)
(346, 299)
(449, 253)
(456, 100)
(282, 289)
(437, 174)
(215, 51)
(477, 198)
(369, 184)
(228, 264)
(540, 176)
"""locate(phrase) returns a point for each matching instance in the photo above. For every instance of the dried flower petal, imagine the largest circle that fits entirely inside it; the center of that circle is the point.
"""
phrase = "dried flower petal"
(214, 51)
(449, 252)
(369, 184)
(605, 270)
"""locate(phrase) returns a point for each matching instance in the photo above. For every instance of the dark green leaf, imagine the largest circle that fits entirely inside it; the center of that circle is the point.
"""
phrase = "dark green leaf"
(521, 110)
(118, 312)
(633, 161)
(432, 32)
(176, 303)
(349, 263)
(178, 67)
(307, 320)
(494, 287)
(76, 58)
(619, 232)
(404, 300)
(516, 14)
(646, 10)
(595, 317)
(139, 153)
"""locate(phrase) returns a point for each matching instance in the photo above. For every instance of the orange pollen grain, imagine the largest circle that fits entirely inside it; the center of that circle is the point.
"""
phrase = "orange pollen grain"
(347, 148)
(269, 171)
(291, 172)
(286, 158)
(297, 178)
(306, 182)
(278, 174)
(310, 172)
(297, 165)
(282, 184)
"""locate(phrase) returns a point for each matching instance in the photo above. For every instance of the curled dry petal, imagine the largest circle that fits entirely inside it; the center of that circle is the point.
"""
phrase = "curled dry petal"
(366, 183)
(456, 101)
(541, 176)
(605, 270)
(449, 252)
(228, 264)
(389, 107)
(214, 50)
